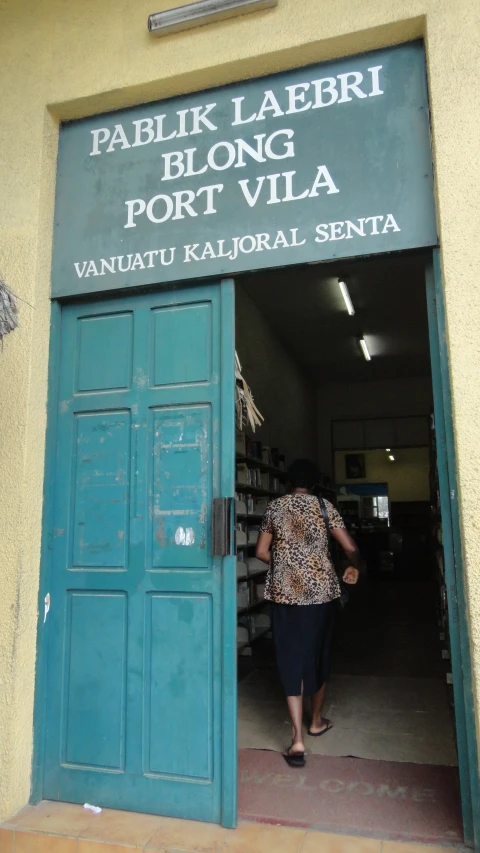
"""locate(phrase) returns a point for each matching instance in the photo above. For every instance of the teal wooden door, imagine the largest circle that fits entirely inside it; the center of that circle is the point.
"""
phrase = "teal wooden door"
(140, 702)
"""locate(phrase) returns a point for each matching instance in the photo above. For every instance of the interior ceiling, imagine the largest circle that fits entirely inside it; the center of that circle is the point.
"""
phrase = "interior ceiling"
(305, 308)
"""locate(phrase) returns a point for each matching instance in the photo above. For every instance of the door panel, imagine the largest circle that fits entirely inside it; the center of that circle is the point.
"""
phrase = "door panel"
(139, 655)
(96, 336)
(101, 490)
(94, 679)
(174, 362)
(181, 489)
(180, 685)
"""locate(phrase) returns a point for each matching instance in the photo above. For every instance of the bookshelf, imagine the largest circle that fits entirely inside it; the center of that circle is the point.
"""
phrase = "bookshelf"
(261, 477)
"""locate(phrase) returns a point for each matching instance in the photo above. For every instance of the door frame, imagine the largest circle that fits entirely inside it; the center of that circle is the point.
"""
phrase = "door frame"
(226, 489)
(40, 695)
(453, 556)
(452, 542)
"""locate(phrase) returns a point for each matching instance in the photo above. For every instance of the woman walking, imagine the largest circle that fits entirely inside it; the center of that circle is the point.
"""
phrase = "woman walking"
(301, 586)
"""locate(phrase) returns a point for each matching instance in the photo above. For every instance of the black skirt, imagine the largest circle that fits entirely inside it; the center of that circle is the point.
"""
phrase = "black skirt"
(302, 634)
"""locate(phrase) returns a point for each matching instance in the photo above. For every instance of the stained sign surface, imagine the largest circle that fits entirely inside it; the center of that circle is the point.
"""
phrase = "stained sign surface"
(321, 162)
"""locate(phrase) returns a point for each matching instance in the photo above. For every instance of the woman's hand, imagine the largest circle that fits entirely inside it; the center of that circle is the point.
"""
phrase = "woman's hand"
(351, 575)
(352, 572)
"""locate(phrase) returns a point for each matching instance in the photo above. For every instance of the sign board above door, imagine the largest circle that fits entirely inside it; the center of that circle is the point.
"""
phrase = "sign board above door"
(317, 163)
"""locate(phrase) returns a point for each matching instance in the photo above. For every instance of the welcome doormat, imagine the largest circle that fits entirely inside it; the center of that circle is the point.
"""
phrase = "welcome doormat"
(383, 799)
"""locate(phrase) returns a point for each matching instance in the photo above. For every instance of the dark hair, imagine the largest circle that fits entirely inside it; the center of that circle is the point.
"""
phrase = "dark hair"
(303, 474)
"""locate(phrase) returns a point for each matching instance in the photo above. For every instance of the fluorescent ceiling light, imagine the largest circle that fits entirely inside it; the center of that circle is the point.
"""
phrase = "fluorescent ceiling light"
(202, 12)
(365, 351)
(346, 297)
(391, 457)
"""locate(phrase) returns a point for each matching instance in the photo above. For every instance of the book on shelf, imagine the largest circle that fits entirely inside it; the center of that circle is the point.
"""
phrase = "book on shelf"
(242, 635)
(248, 505)
(260, 589)
(253, 449)
(242, 569)
(241, 537)
(256, 566)
(259, 479)
(260, 621)
(240, 505)
(243, 595)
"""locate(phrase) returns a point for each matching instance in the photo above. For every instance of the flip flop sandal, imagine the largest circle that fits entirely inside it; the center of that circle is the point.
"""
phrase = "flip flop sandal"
(324, 731)
(296, 759)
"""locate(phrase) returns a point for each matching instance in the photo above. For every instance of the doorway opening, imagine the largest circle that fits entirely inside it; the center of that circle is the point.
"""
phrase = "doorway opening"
(337, 357)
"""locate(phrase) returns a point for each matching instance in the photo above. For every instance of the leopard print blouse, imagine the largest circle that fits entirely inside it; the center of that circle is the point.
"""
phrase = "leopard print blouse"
(301, 571)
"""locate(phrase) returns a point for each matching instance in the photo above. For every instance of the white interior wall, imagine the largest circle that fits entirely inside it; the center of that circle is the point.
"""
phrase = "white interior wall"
(386, 398)
(283, 394)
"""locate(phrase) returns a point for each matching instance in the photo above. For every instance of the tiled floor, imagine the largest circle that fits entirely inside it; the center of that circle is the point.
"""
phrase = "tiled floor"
(65, 828)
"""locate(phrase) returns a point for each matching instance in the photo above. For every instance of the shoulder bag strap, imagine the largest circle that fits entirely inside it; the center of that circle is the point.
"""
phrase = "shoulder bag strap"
(326, 522)
(344, 590)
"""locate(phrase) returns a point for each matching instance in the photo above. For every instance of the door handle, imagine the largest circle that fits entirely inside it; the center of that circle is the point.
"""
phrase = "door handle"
(222, 526)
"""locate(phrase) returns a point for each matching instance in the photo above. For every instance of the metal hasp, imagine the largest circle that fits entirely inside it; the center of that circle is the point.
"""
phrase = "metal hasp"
(202, 12)
(222, 510)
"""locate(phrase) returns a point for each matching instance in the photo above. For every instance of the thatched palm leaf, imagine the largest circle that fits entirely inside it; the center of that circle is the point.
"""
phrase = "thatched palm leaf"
(246, 409)
(8, 311)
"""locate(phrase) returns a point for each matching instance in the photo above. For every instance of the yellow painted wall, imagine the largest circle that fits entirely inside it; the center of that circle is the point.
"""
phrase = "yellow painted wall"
(407, 476)
(68, 58)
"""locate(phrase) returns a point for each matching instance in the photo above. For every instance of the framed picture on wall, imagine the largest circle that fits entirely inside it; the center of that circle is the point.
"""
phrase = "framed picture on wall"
(355, 466)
